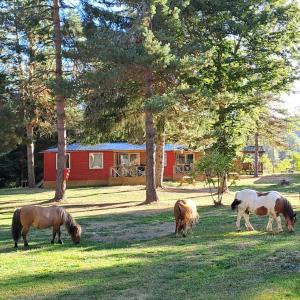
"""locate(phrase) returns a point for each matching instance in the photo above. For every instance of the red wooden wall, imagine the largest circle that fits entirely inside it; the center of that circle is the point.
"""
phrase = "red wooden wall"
(171, 158)
(79, 166)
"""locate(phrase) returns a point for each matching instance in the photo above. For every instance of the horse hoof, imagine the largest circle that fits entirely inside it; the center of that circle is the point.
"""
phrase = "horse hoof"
(16, 245)
(238, 229)
(26, 245)
(60, 242)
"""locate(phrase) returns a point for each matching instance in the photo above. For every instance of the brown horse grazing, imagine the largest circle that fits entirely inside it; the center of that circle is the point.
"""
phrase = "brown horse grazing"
(186, 215)
(43, 217)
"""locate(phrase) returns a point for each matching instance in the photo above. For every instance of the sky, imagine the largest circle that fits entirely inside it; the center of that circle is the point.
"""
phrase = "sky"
(292, 100)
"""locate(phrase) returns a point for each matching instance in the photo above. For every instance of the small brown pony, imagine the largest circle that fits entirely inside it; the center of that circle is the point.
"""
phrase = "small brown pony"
(186, 216)
(43, 217)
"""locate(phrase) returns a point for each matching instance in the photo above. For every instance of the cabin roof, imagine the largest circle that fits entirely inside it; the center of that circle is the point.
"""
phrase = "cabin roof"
(251, 149)
(113, 147)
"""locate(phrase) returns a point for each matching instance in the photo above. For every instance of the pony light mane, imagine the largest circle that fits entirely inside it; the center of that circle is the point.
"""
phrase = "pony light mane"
(186, 214)
(190, 214)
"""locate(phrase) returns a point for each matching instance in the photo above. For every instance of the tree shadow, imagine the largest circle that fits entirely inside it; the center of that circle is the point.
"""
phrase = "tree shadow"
(18, 191)
(166, 268)
(184, 190)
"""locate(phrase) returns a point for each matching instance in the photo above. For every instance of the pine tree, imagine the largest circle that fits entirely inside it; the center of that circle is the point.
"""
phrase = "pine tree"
(244, 47)
(60, 187)
(26, 63)
(132, 50)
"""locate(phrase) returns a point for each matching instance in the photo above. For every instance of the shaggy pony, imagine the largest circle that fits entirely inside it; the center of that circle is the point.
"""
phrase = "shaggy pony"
(186, 216)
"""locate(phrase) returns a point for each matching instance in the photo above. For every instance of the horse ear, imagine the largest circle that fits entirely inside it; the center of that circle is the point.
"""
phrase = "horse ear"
(295, 214)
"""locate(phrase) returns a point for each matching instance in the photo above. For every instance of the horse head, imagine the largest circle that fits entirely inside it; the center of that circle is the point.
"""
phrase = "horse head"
(75, 231)
(290, 222)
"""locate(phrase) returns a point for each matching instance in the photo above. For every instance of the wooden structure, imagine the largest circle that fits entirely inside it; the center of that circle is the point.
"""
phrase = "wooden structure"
(248, 167)
(116, 164)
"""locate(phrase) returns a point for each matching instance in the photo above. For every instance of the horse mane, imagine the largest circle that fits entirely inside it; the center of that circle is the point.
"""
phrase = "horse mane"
(68, 221)
(288, 210)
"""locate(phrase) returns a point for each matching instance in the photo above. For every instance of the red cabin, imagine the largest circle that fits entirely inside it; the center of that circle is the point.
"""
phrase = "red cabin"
(115, 164)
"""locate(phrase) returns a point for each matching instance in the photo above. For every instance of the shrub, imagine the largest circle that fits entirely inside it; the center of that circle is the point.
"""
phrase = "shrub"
(216, 166)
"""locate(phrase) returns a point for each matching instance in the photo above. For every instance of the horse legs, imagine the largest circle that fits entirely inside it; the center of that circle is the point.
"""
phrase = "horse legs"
(184, 230)
(59, 233)
(24, 234)
(278, 220)
(53, 235)
(56, 230)
(247, 222)
(177, 226)
(238, 220)
(269, 225)
(181, 227)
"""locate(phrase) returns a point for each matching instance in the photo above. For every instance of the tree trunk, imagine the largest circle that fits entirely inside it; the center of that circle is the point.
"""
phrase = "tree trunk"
(151, 195)
(223, 185)
(159, 159)
(273, 161)
(30, 156)
(29, 126)
(60, 109)
(256, 156)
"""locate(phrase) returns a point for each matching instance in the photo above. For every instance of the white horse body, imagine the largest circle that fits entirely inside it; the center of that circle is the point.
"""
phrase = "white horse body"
(251, 201)
(259, 203)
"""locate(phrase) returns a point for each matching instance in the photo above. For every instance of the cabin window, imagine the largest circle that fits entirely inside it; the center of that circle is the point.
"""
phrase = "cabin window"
(165, 159)
(129, 159)
(189, 159)
(96, 160)
(184, 159)
(180, 159)
(68, 161)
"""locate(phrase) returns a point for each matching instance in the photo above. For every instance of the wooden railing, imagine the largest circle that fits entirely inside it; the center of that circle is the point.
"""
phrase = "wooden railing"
(127, 171)
(248, 168)
(183, 169)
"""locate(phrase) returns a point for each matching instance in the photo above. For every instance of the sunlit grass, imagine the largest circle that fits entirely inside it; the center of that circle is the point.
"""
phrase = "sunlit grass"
(130, 252)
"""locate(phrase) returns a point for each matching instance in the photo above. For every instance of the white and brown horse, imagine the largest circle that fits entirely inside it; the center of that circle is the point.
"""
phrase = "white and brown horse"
(186, 216)
(43, 217)
(263, 203)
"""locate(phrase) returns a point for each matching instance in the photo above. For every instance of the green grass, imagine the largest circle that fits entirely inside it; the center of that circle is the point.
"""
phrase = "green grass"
(130, 252)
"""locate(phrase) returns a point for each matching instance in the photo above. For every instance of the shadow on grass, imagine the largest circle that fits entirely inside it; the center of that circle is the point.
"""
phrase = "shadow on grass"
(106, 193)
(184, 190)
(203, 264)
(295, 188)
(18, 191)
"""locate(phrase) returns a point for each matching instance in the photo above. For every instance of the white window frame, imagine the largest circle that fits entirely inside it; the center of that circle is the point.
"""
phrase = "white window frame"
(67, 154)
(97, 153)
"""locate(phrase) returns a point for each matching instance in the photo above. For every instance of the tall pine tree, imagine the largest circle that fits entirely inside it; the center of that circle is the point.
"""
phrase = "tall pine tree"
(132, 48)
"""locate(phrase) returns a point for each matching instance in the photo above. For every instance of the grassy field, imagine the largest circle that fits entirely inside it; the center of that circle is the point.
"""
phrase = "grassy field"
(130, 252)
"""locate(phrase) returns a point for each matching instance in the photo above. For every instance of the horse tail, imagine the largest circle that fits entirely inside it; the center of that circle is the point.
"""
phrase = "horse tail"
(16, 227)
(235, 203)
